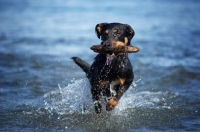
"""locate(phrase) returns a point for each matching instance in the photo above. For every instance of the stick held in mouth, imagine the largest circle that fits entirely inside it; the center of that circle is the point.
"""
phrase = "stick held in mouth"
(118, 49)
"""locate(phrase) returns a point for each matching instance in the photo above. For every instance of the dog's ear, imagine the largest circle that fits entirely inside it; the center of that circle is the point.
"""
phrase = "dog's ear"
(129, 31)
(98, 29)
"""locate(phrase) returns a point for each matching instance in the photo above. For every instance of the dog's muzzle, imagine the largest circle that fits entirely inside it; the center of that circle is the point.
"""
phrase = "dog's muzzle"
(110, 55)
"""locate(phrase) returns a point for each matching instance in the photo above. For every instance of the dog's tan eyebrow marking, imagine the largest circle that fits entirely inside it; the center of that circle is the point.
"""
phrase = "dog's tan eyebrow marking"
(106, 32)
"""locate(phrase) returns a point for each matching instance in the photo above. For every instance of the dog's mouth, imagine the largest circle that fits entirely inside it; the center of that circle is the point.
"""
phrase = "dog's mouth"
(109, 58)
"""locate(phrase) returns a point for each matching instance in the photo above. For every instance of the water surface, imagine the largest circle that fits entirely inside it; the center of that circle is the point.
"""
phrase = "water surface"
(41, 89)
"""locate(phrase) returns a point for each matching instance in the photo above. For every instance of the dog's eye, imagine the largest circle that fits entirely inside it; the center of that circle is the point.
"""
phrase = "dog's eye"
(116, 32)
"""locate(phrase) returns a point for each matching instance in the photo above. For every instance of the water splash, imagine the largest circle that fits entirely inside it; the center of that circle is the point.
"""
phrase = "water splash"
(148, 99)
(76, 97)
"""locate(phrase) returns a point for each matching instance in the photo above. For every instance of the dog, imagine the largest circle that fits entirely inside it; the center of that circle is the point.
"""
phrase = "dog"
(111, 73)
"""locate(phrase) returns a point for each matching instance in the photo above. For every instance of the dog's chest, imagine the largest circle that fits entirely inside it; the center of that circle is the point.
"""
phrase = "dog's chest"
(116, 70)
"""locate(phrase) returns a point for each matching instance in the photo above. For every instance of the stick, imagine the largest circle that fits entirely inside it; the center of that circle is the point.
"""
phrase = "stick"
(118, 49)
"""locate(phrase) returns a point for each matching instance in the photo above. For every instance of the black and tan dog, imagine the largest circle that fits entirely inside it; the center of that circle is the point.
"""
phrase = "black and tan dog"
(111, 73)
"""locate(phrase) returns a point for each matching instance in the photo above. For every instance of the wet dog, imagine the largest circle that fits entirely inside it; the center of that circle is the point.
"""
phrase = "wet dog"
(111, 73)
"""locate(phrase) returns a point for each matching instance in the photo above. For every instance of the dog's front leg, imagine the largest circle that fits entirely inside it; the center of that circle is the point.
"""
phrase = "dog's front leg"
(96, 96)
(112, 102)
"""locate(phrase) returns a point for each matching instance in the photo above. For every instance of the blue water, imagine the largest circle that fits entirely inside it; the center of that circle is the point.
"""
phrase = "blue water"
(41, 89)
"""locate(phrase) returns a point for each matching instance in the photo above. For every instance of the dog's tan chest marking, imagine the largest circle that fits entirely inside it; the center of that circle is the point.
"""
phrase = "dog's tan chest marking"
(103, 84)
(121, 81)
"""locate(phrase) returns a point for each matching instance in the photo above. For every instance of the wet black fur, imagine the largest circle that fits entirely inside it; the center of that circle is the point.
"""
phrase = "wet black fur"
(119, 68)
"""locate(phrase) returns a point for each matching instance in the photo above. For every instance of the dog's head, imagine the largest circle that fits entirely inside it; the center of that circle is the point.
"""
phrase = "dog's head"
(114, 35)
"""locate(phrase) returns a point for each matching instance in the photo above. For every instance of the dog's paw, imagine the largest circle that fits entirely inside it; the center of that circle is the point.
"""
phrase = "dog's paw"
(111, 104)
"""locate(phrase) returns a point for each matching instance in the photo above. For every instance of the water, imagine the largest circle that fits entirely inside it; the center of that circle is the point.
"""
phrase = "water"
(41, 89)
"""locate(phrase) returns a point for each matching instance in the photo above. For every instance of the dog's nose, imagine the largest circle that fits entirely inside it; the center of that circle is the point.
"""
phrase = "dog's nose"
(107, 44)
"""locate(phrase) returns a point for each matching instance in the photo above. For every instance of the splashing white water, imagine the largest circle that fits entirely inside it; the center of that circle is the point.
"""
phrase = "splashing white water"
(77, 97)
(148, 99)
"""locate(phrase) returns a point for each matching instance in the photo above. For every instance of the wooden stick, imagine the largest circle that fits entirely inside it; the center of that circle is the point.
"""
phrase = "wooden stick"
(118, 49)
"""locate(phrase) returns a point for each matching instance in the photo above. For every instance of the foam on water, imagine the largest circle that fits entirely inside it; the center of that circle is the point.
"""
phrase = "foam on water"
(76, 97)
(155, 100)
